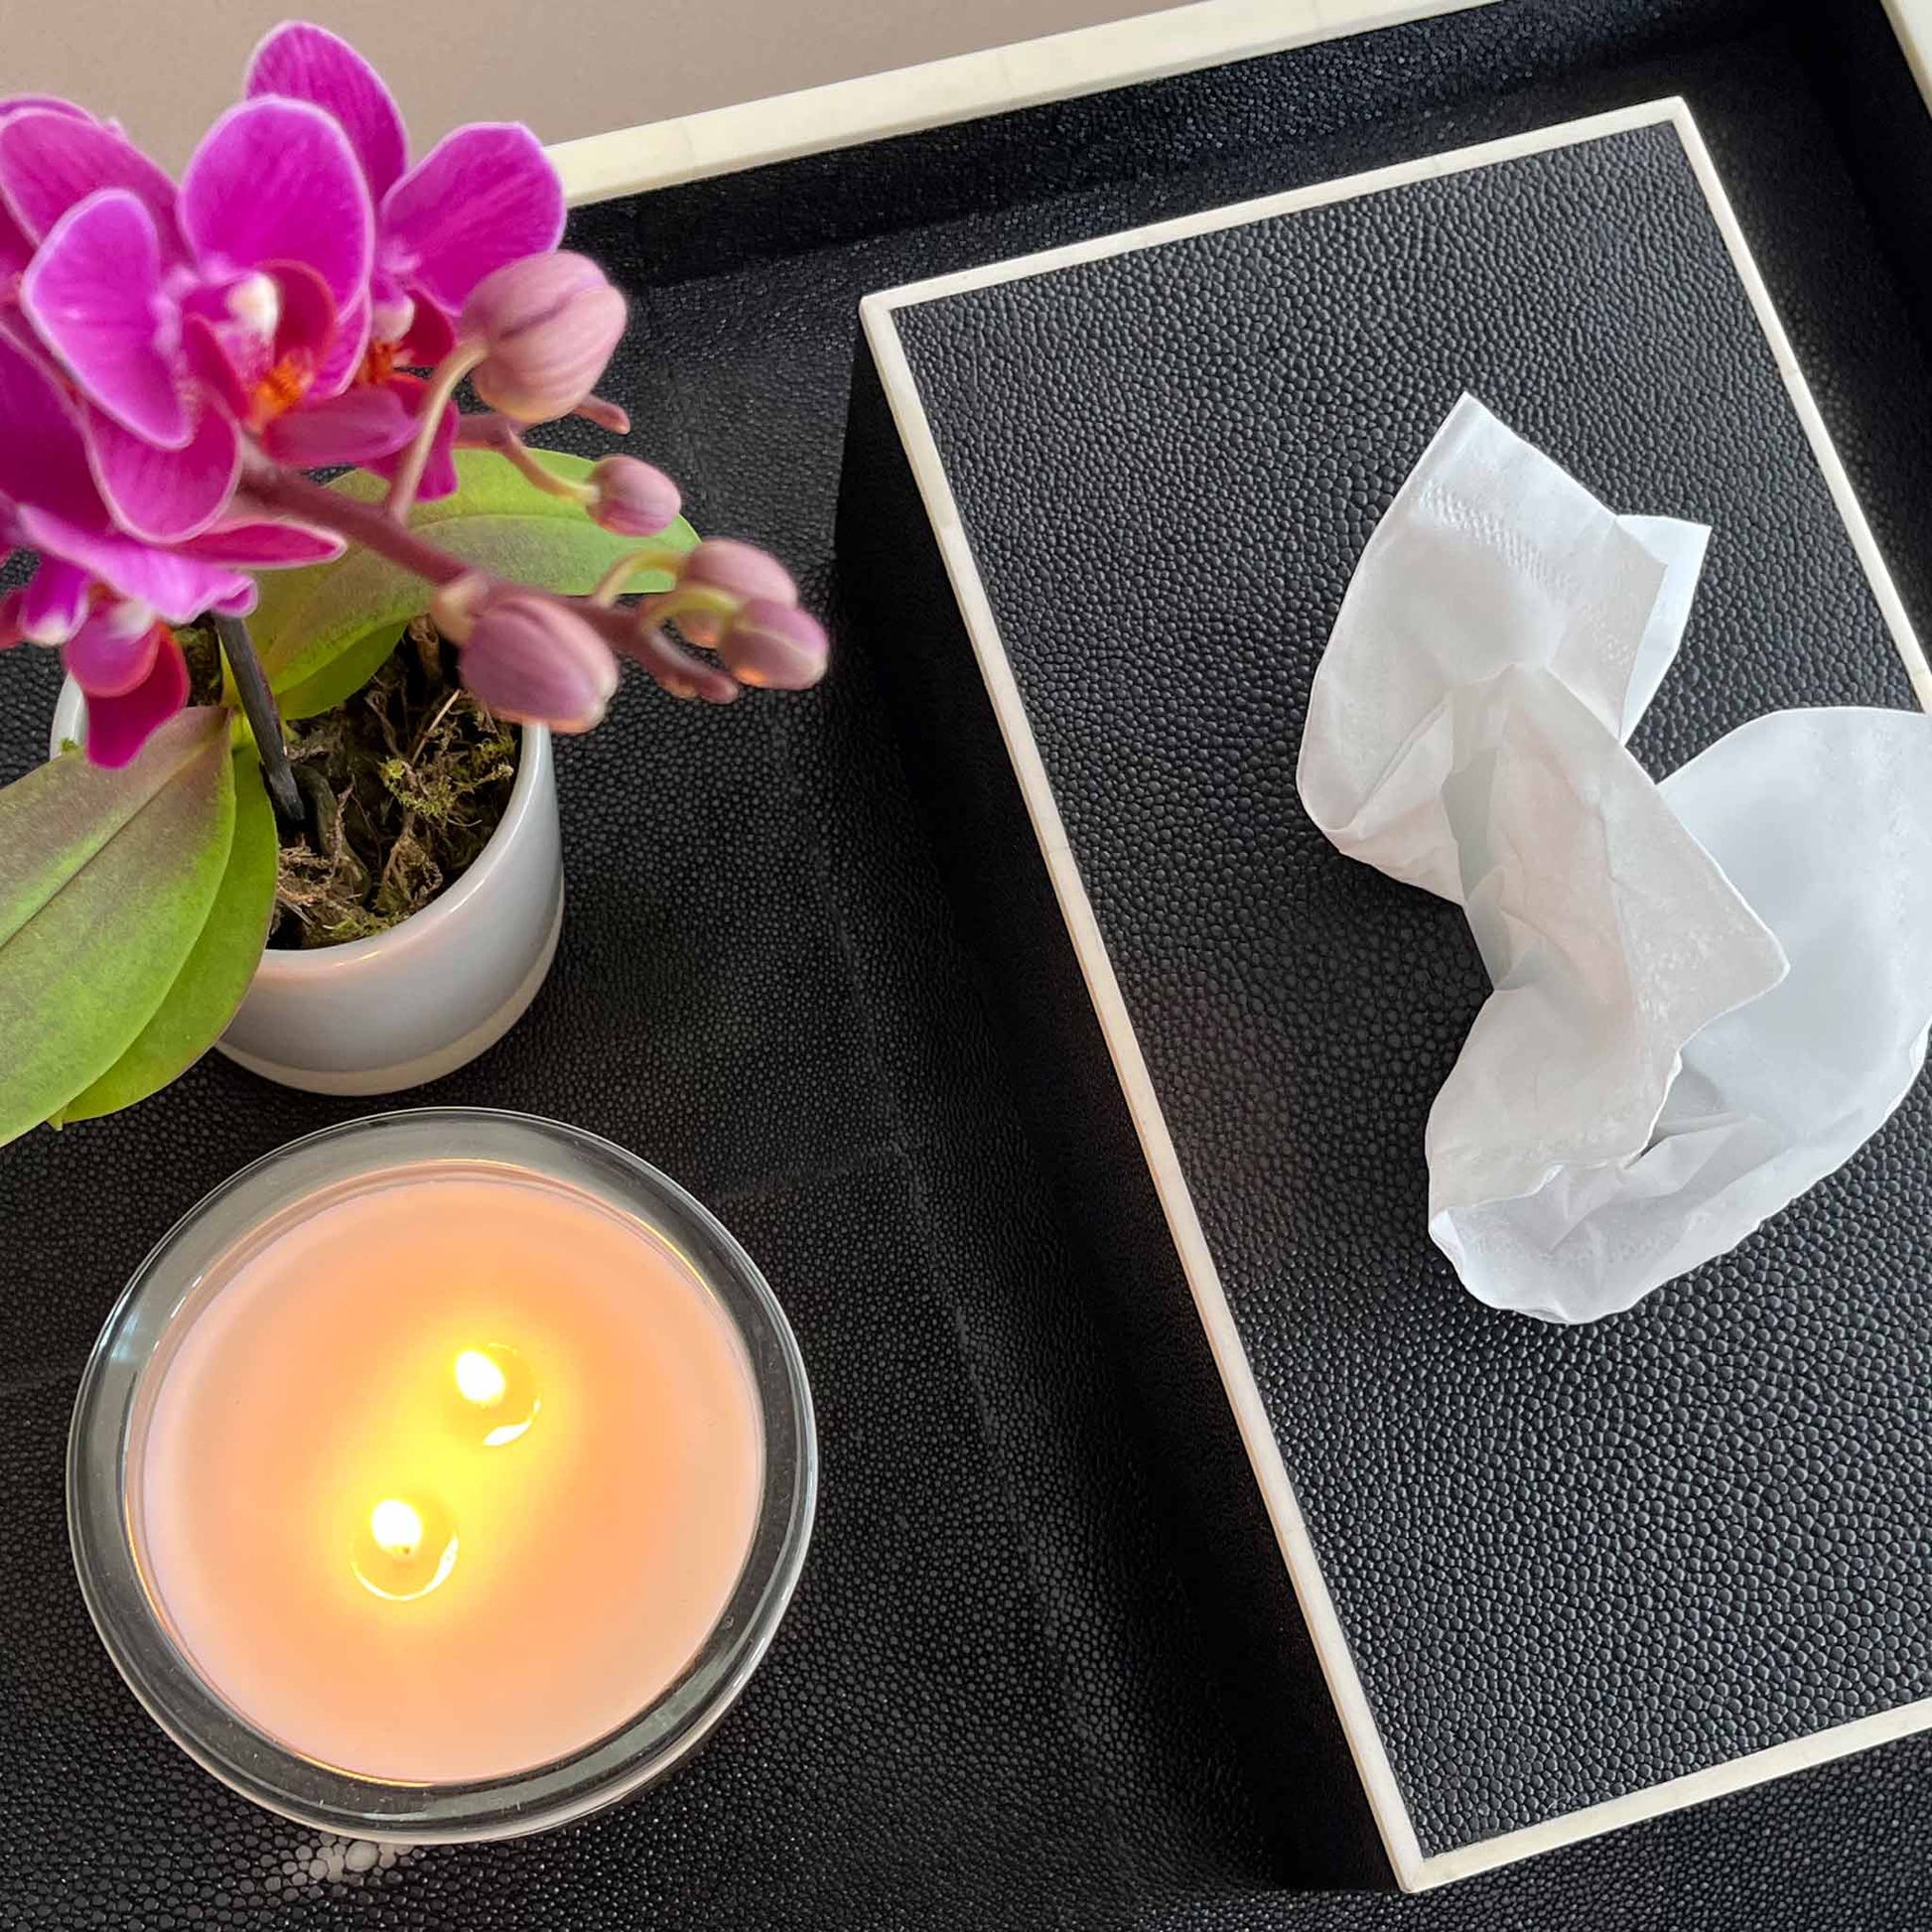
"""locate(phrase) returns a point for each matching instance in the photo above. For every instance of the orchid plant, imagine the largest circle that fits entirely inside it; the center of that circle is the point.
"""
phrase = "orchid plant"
(174, 359)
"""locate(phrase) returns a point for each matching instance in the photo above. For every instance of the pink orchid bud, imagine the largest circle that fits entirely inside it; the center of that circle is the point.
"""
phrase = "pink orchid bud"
(737, 569)
(547, 326)
(452, 609)
(632, 499)
(12, 631)
(534, 660)
(740, 569)
(775, 645)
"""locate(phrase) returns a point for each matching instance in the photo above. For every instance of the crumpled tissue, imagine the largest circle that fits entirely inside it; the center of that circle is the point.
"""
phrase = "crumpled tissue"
(1708, 992)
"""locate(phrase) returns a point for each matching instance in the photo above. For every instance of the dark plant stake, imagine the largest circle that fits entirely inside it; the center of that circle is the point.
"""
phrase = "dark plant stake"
(264, 719)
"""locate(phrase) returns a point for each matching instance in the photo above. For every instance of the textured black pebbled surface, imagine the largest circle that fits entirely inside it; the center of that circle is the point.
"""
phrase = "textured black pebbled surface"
(1203, 119)
(988, 1708)
(1571, 1564)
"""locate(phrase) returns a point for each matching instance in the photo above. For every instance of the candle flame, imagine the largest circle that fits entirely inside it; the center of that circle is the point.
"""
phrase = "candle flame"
(408, 1549)
(396, 1527)
(497, 1381)
(481, 1380)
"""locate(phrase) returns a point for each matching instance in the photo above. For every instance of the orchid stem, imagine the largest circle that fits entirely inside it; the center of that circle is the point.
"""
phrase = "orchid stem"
(293, 494)
(264, 719)
(693, 600)
(653, 556)
(289, 494)
(441, 387)
(498, 433)
(605, 413)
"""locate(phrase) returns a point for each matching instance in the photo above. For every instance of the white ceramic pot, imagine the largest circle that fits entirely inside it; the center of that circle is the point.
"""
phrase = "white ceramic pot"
(429, 995)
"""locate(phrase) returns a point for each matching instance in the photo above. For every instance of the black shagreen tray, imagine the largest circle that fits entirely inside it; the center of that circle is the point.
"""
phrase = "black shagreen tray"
(1558, 1578)
(1006, 1695)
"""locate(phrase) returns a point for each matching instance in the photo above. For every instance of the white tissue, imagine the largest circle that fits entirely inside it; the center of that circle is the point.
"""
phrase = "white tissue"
(1708, 992)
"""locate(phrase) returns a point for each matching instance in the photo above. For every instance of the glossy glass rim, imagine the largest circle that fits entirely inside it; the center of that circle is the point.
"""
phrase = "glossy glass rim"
(274, 1189)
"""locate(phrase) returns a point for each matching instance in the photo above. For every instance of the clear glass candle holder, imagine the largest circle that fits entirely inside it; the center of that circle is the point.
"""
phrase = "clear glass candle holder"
(189, 1269)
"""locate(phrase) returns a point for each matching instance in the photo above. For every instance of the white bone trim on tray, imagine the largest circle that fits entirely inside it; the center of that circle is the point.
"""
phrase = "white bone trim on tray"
(967, 86)
(1911, 21)
(1413, 1870)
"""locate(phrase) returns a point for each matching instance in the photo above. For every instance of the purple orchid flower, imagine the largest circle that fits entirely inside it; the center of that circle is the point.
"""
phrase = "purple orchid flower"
(484, 196)
(112, 161)
(189, 320)
(171, 359)
(98, 593)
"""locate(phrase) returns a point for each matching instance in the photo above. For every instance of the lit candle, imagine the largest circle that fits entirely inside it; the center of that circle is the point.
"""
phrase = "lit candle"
(450, 1477)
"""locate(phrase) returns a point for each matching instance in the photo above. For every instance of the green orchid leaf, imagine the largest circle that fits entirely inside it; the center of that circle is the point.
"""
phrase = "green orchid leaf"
(342, 677)
(107, 878)
(498, 520)
(217, 971)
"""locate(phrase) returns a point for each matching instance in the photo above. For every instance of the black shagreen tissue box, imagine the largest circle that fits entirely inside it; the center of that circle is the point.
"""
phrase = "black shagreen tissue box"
(1108, 498)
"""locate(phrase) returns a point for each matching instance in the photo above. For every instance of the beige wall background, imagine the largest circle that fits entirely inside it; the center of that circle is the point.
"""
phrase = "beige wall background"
(568, 68)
